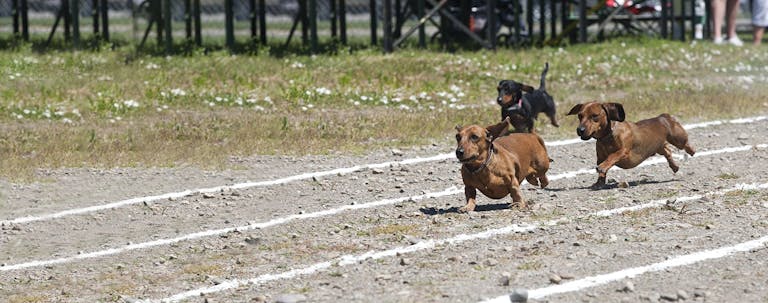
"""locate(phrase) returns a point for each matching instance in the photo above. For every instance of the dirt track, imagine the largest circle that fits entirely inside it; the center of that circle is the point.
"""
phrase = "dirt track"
(466, 270)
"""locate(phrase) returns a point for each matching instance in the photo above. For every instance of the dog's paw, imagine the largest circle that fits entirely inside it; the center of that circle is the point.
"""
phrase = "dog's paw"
(466, 208)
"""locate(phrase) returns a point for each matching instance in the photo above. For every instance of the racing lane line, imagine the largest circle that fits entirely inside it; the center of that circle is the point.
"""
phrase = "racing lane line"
(305, 176)
(672, 262)
(432, 243)
(214, 232)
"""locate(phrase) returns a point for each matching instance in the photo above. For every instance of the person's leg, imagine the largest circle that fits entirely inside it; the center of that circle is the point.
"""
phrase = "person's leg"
(718, 13)
(731, 11)
(759, 20)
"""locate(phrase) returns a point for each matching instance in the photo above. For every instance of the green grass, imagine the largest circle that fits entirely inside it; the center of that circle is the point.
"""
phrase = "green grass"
(115, 108)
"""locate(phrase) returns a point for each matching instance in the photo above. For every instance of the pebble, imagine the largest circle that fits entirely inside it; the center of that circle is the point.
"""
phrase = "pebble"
(519, 295)
(709, 226)
(397, 152)
(252, 240)
(555, 279)
(742, 136)
(383, 277)
(623, 184)
(377, 171)
(208, 195)
(669, 297)
(682, 295)
(628, 287)
(290, 298)
(259, 299)
(652, 297)
(413, 240)
(405, 261)
(490, 262)
(700, 293)
(504, 279)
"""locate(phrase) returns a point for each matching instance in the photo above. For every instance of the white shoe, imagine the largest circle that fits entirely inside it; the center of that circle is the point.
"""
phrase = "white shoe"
(735, 41)
(718, 40)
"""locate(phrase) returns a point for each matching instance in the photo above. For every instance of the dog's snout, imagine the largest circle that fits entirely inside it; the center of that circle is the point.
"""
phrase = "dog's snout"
(580, 130)
(460, 152)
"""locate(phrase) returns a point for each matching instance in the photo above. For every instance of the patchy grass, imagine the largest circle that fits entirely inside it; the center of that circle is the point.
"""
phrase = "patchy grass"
(114, 109)
(728, 176)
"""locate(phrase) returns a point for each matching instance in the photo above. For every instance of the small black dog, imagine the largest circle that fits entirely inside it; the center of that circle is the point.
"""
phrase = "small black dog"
(523, 109)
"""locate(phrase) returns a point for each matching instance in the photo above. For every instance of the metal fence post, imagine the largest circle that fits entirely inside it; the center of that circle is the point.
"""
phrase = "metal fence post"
(343, 20)
(167, 18)
(313, 25)
(75, 11)
(196, 17)
(388, 26)
(372, 11)
(263, 21)
(104, 20)
(229, 24)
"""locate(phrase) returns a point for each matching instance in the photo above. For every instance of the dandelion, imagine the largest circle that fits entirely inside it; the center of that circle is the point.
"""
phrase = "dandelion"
(67, 121)
(178, 92)
(297, 65)
(152, 66)
(131, 103)
(323, 91)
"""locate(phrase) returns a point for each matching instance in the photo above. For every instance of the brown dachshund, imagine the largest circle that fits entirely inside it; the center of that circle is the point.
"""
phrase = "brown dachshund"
(496, 166)
(627, 144)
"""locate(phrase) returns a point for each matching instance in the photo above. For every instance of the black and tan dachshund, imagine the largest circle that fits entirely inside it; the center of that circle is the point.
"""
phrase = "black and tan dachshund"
(521, 108)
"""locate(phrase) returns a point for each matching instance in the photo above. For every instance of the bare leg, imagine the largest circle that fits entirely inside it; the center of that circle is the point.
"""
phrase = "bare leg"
(731, 11)
(758, 34)
(718, 13)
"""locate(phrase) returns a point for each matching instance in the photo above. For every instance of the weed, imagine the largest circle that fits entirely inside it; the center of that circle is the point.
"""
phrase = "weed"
(533, 265)
(728, 176)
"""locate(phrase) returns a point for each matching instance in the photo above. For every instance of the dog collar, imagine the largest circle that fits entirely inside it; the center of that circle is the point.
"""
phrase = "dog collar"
(485, 163)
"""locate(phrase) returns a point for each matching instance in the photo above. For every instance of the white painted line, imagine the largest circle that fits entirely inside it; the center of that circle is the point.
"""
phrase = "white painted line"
(214, 232)
(673, 262)
(305, 176)
(432, 243)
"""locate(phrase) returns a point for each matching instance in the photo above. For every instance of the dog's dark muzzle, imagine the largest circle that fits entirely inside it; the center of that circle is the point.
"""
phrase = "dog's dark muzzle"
(581, 130)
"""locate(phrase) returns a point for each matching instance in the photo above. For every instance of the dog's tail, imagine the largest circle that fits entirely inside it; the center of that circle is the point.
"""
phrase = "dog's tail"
(542, 85)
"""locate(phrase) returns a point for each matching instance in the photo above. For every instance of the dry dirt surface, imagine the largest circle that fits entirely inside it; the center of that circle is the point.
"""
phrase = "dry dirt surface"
(391, 233)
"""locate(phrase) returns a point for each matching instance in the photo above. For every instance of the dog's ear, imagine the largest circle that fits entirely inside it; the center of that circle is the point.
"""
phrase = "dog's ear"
(615, 111)
(575, 110)
(526, 88)
(496, 130)
(458, 128)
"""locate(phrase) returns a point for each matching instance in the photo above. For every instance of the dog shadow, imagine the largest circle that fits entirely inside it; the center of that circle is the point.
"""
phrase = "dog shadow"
(433, 211)
(615, 185)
